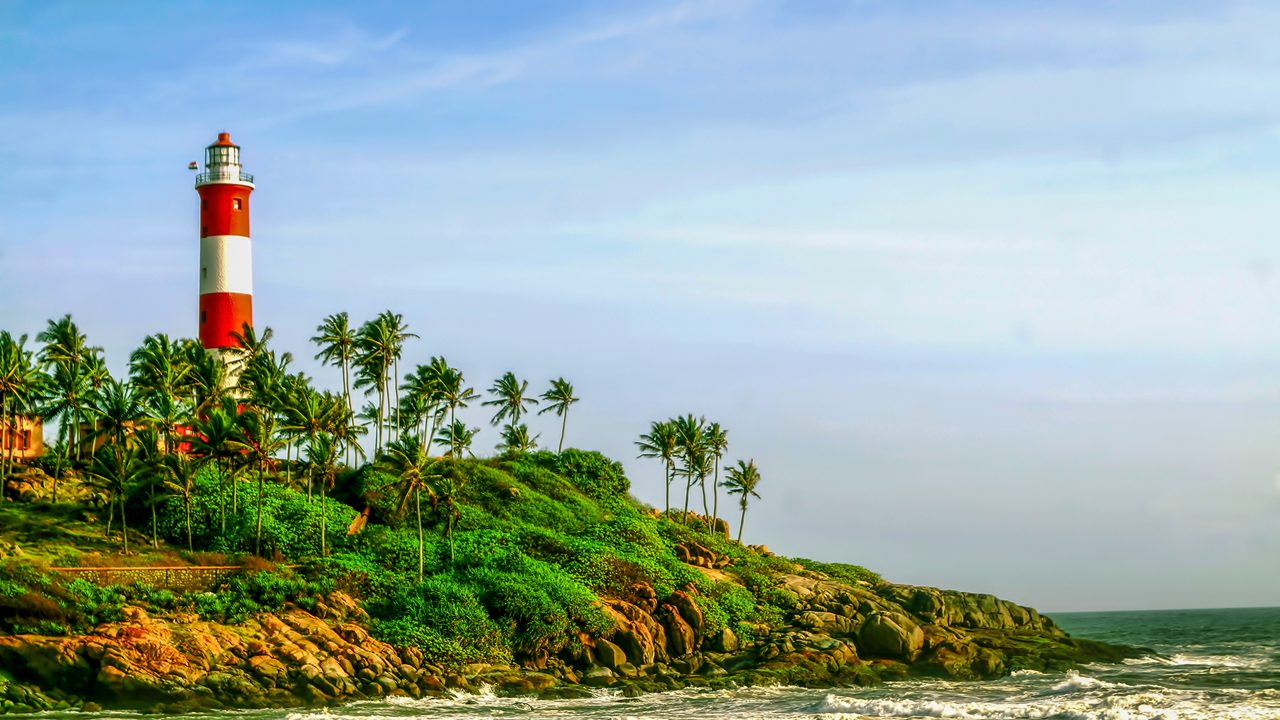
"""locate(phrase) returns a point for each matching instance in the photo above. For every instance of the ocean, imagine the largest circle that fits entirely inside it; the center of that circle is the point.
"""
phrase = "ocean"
(1213, 665)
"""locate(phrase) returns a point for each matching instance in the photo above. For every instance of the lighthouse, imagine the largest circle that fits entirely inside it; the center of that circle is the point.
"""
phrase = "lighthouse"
(226, 255)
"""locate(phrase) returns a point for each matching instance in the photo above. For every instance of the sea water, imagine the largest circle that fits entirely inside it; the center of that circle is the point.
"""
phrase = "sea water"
(1211, 665)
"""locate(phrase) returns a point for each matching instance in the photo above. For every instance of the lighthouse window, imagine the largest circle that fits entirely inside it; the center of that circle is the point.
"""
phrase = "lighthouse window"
(203, 316)
(236, 203)
(204, 272)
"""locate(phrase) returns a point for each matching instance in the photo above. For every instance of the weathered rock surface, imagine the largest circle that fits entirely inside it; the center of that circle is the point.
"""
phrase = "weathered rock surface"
(837, 634)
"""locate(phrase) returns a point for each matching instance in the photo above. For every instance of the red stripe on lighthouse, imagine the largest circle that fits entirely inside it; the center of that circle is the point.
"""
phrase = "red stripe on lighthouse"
(222, 314)
(224, 209)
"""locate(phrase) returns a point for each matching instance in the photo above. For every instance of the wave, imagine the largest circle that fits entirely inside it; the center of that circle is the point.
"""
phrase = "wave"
(1138, 706)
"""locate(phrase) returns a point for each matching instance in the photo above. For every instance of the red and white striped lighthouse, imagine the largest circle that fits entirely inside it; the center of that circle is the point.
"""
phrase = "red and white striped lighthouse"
(226, 255)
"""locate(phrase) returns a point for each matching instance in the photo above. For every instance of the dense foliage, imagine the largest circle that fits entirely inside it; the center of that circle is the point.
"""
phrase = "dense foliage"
(470, 559)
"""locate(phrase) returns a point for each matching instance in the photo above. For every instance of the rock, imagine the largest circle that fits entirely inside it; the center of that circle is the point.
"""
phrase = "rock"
(891, 636)
(826, 622)
(681, 639)
(688, 610)
(609, 655)
(598, 676)
(723, 641)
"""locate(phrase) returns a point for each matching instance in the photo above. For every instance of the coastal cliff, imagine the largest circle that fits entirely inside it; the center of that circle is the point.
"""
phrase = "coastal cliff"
(655, 605)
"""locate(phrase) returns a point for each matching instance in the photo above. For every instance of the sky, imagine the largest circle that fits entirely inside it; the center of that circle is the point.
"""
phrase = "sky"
(987, 289)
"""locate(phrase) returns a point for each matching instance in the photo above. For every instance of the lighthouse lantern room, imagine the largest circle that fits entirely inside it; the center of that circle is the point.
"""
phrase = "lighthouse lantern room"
(226, 257)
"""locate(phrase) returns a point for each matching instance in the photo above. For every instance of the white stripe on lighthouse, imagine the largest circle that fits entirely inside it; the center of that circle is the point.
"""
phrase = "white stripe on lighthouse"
(226, 264)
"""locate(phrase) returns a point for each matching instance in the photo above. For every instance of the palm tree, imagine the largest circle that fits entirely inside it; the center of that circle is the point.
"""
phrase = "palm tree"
(180, 471)
(256, 440)
(717, 439)
(509, 397)
(206, 378)
(337, 343)
(117, 469)
(457, 437)
(322, 454)
(67, 349)
(20, 382)
(559, 398)
(423, 389)
(662, 442)
(445, 490)
(416, 469)
(212, 442)
(117, 412)
(249, 344)
(64, 395)
(742, 480)
(159, 368)
(693, 452)
(516, 440)
(452, 393)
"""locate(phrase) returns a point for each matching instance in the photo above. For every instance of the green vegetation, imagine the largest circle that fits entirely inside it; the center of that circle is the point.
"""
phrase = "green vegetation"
(246, 462)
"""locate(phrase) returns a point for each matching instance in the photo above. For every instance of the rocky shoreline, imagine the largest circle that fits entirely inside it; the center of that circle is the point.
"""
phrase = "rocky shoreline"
(839, 634)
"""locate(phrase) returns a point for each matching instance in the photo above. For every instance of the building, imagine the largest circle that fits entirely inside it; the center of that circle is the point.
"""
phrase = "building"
(226, 252)
(25, 439)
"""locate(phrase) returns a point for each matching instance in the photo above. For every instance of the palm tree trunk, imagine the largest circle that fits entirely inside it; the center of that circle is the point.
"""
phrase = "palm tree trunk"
(155, 542)
(186, 500)
(417, 496)
(346, 393)
(702, 485)
(111, 513)
(124, 527)
(395, 384)
(715, 494)
(324, 527)
(257, 541)
(741, 521)
(564, 422)
(666, 509)
(222, 498)
(688, 485)
(449, 530)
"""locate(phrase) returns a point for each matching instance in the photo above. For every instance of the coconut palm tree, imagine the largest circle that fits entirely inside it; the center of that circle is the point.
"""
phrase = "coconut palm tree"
(117, 412)
(446, 490)
(423, 389)
(212, 442)
(453, 394)
(717, 439)
(206, 378)
(67, 349)
(179, 470)
(457, 437)
(742, 480)
(662, 442)
(559, 398)
(509, 396)
(159, 368)
(337, 342)
(256, 441)
(64, 396)
(415, 470)
(116, 469)
(321, 453)
(516, 440)
(693, 452)
(20, 383)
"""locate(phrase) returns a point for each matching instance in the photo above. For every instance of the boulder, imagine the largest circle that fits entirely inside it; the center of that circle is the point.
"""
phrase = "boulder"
(681, 639)
(891, 636)
(609, 654)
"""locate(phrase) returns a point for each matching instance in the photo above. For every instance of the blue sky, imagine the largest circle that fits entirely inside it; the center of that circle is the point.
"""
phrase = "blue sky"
(987, 289)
